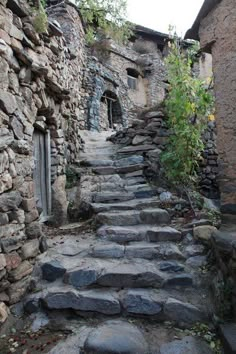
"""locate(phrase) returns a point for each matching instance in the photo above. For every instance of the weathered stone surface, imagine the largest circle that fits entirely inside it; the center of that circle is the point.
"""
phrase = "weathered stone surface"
(2, 261)
(204, 233)
(34, 230)
(4, 219)
(142, 302)
(185, 346)
(194, 250)
(155, 216)
(4, 78)
(120, 234)
(4, 312)
(18, 290)
(6, 138)
(13, 260)
(24, 269)
(183, 313)
(17, 128)
(127, 218)
(116, 337)
(182, 280)
(171, 266)
(197, 261)
(228, 336)
(95, 300)
(59, 201)
(10, 201)
(109, 197)
(128, 161)
(108, 251)
(30, 249)
(159, 234)
(7, 102)
(125, 275)
(52, 270)
(81, 277)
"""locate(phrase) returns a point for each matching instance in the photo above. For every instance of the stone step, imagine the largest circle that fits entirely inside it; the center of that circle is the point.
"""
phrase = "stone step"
(95, 163)
(137, 204)
(130, 169)
(129, 161)
(135, 149)
(145, 250)
(111, 197)
(124, 273)
(134, 217)
(171, 306)
(135, 181)
(121, 234)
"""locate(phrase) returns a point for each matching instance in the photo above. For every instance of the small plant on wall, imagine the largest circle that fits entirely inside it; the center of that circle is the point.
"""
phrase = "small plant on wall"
(40, 20)
(188, 107)
(107, 17)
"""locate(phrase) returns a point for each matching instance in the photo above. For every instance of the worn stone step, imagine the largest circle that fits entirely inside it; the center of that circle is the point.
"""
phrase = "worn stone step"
(121, 234)
(129, 169)
(134, 174)
(107, 170)
(137, 148)
(177, 306)
(95, 163)
(111, 197)
(138, 204)
(104, 301)
(134, 217)
(129, 161)
(145, 250)
(135, 181)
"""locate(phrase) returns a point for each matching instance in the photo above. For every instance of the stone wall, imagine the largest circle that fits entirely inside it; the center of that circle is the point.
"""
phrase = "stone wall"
(40, 88)
(217, 33)
(109, 72)
(151, 129)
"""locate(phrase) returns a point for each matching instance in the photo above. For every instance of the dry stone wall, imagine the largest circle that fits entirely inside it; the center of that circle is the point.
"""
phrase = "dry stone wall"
(40, 90)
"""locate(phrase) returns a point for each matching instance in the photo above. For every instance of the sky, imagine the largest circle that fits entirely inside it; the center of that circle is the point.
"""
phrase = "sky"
(159, 14)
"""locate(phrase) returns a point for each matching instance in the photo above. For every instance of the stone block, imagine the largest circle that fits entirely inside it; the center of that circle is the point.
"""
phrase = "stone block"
(204, 233)
(3, 262)
(6, 138)
(5, 182)
(4, 78)
(34, 230)
(31, 216)
(17, 215)
(185, 346)
(10, 201)
(228, 336)
(28, 204)
(30, 249)
(17, 128)
(4, 219)
(13, 261)
(18, 290)
(183, 313)
(4, 312)
(52, 271)
(7, 102)
(24, 269)
(116, 337)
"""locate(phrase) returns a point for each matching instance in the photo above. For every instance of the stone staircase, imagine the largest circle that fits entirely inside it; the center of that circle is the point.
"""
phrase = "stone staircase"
(138, 261)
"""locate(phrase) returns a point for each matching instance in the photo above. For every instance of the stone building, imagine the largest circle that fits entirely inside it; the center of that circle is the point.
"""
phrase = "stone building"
(215, 28)
(51, 88)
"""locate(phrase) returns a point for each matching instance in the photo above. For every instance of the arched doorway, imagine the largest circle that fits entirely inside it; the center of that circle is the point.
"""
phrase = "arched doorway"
(110, 111)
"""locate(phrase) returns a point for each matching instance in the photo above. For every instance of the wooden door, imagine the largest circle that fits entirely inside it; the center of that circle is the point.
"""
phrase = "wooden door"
(42, 173)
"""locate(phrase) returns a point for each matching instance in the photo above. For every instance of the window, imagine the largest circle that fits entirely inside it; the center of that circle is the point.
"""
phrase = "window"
(132, 78)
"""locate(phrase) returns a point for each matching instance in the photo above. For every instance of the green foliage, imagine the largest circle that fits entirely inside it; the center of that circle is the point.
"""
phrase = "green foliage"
(203, 331)
(188, 106)
(40, 17)
(72, 177)
(105, 18)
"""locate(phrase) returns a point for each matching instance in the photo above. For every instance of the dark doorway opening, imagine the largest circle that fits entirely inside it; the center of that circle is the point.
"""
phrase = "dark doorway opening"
(114, 110)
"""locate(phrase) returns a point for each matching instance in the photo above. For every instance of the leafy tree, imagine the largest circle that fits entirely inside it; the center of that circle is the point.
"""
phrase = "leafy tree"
(188, 106)
(105, 18)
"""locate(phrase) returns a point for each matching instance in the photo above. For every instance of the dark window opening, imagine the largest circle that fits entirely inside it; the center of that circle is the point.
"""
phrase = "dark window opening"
(133, 76)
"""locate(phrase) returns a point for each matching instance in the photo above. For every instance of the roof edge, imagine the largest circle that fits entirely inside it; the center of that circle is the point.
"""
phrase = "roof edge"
(207, 7)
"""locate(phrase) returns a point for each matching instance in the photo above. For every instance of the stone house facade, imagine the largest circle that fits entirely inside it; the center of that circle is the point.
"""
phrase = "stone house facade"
(215, 28)
(51, 88)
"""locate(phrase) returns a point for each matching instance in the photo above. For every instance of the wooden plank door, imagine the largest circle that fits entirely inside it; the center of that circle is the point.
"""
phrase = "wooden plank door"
(42, 173)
